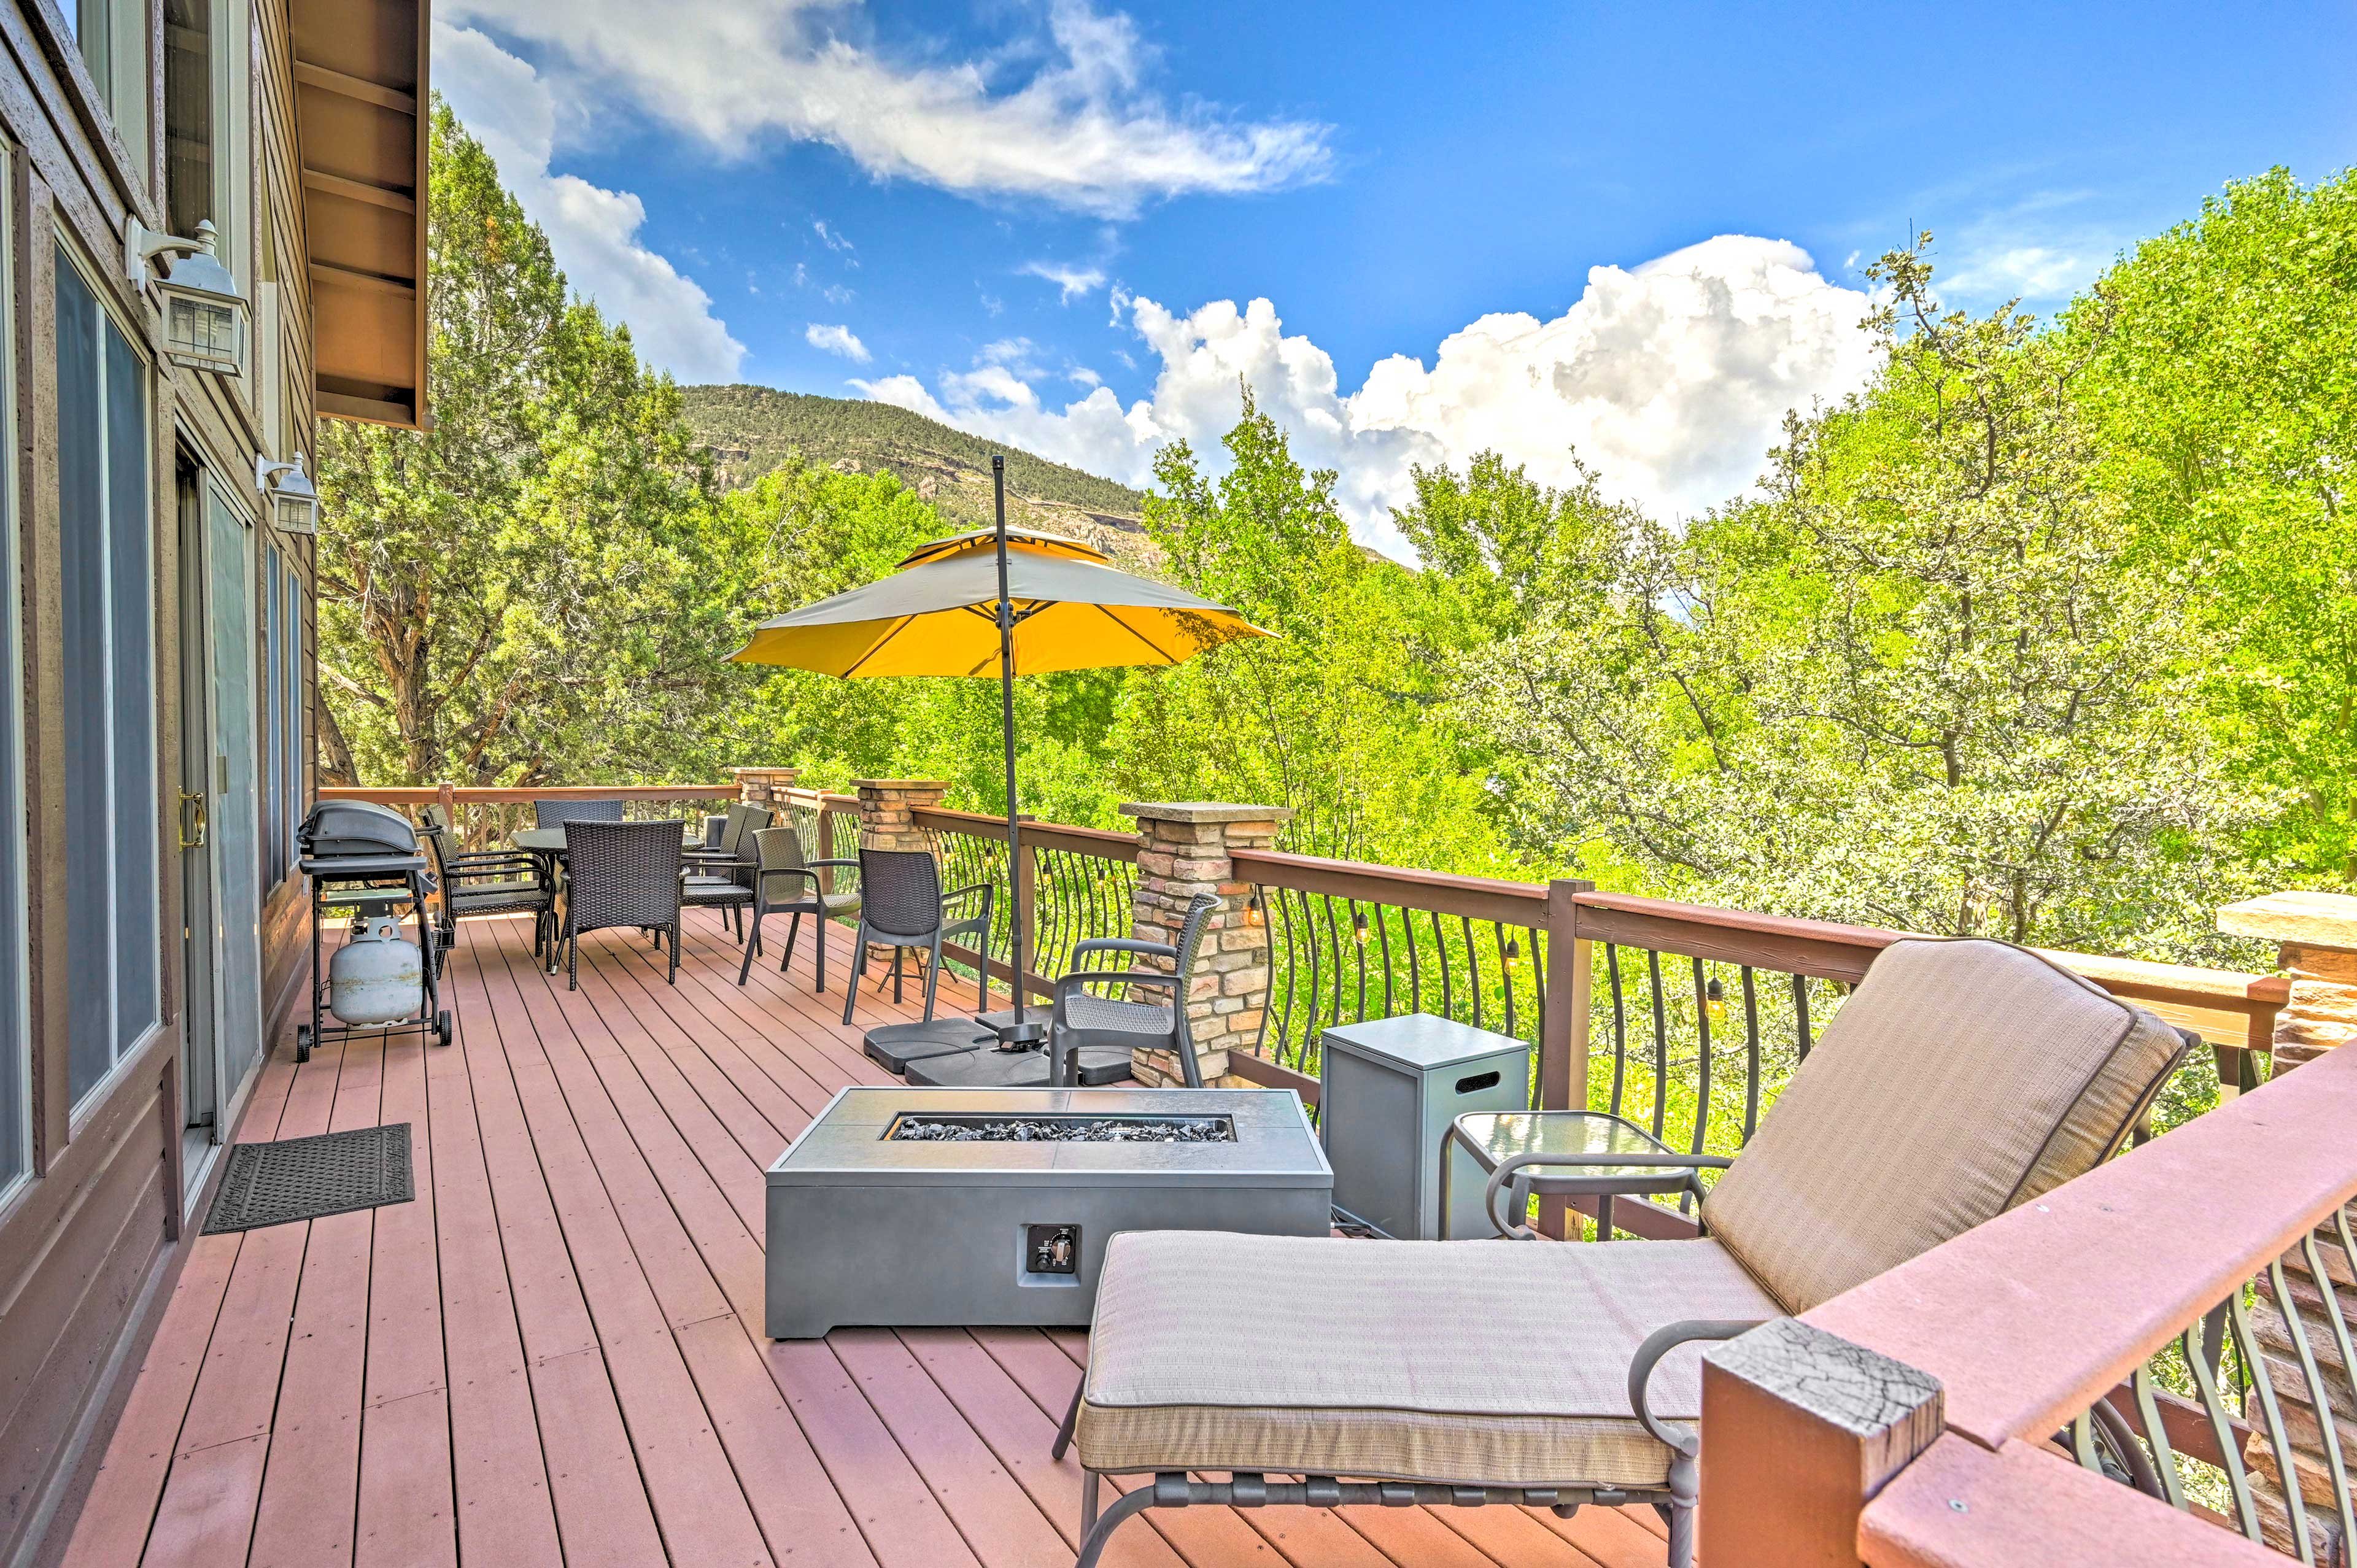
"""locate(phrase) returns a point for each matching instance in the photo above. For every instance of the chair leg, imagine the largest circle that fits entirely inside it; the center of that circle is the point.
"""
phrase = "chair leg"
(1092, 1543)
(1088, 1479)
(859, 968)
(751, 948)
(1072, 1419)
(818, 944)
(673, 978)
(933, 976)
(1685, 1490)
(573, 964)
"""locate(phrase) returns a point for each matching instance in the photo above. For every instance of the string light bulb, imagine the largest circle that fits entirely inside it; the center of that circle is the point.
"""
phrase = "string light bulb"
(1715, 1001)
(1358, 926)
(1252, 915)
(1513, 952)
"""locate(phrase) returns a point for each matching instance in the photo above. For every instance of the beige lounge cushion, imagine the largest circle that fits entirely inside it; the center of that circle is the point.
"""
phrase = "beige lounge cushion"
(1476, 1363)
(1962, 1078)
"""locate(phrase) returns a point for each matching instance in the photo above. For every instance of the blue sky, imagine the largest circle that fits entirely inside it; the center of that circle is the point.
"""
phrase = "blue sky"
(996, 210)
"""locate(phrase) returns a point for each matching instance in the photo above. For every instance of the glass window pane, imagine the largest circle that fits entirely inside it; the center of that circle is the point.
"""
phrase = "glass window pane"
(189, 192)
(89, 835)
(130, 522)
(15, 1047)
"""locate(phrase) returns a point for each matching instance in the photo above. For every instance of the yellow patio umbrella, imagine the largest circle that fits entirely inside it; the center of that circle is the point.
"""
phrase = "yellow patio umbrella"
(1004, 601)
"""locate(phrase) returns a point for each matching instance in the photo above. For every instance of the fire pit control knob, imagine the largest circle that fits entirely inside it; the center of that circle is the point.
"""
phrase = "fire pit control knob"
(1054, 1249)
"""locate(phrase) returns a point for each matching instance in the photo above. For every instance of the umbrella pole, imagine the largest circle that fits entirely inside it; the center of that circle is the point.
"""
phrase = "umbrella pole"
(1023, 1031)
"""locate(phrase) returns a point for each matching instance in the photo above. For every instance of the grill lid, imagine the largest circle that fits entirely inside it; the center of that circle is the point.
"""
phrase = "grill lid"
(356, 827)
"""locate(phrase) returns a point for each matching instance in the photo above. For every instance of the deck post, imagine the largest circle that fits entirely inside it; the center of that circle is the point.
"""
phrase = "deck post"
(887, 808)
(1563, 1042)
(2316, 945)
(1185, 848)
(763, 786)
(1800, 1429)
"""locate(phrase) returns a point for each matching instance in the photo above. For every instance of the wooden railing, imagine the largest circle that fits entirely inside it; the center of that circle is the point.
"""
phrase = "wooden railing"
(2052, 1334)
(485, 816)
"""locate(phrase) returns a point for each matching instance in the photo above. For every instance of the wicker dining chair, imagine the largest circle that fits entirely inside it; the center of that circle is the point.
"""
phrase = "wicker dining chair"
(902, 906)
(620, 874)
(707, 883)
(734, 847)
(784, 882)
(486, 884)
(562, 813)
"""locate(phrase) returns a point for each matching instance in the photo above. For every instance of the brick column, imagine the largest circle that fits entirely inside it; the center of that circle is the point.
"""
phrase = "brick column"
(887, 807)
(1185, 848)
(759, 786)
(2316, 943)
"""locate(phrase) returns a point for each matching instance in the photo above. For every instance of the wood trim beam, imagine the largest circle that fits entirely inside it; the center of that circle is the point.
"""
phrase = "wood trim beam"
(355, 88)
(389, 197)
(326, 272)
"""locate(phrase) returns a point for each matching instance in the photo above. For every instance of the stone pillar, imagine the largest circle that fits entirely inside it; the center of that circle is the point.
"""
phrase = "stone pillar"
(2316, 940)
(762, 786)
(2316, 943)
(1186, 848)
(887, 807)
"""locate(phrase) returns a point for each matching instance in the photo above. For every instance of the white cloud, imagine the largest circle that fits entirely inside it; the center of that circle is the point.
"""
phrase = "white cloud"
(1072, 281)
(593, 232)
(1082, 130)
(834, 241)
(1671, 379)
(2041, 249)
(837, 340)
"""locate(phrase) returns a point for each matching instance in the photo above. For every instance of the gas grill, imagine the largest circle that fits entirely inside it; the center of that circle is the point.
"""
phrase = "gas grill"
(364, 860)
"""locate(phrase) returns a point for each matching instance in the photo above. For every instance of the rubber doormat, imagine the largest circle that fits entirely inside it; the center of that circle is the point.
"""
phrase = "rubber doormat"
(306, 1178)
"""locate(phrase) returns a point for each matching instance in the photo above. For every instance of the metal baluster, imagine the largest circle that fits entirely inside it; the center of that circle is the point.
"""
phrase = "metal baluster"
(1472, 968)
(1661, 1041)
(1506, 950)
(1383, 935)
(1702, 1090)
(1801, 1012)
(1620, 1024)
(2213, 1405)
(1358, 941)
(2246, 1345)
(1440, 941)
(1284, 1027)
(1310, 1013)
(1333, 957)
(2156, 1434)
(1415, 973)
(1750, 1056)
(2320, 1398)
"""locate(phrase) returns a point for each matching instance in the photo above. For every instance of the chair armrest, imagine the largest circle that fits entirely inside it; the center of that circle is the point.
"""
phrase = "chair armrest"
(1510, 1169)
(493, 868)
(1068, 983)
(846, 865)
(1682, 1440)
(1123, 944)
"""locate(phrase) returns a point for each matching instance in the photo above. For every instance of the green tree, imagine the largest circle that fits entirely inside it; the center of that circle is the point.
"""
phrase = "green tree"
(518, 595)
(1919, 681)
(2223, 378)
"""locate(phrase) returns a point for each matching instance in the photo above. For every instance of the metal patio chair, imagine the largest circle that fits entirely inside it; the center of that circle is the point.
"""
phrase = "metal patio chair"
(1079, 1021)
(902, 906)
(486, 883)
(1961, 1078)
(784, 882)
(620, 874)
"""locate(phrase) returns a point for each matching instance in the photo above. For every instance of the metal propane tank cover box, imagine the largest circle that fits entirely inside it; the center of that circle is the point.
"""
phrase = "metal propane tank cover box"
(1389, 1088)
(905, 1206)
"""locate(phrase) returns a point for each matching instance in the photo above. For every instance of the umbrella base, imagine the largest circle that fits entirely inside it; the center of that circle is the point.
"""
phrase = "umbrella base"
(893, 1046)
(992, 1068)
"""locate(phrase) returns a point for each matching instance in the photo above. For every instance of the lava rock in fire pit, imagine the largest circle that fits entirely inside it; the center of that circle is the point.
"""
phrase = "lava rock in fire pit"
(1064, 1130)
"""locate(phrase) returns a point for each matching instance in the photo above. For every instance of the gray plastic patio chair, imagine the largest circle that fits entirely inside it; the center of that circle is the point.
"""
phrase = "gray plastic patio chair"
(1961, 1078)
(902, 906)
(620, 874)
(784, 882)
(1080, 1020)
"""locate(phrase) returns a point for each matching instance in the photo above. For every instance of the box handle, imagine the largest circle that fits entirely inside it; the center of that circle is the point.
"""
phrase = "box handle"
(1478, 1082)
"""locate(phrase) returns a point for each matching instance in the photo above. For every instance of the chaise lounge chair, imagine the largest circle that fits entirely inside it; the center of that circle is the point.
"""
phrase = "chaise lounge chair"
(1962, 1078)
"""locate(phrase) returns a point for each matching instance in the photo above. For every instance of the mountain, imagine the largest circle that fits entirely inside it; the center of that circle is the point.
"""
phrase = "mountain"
(750, 430)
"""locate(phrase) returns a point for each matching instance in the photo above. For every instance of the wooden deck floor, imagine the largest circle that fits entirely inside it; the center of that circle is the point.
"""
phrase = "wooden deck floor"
(555, 1354)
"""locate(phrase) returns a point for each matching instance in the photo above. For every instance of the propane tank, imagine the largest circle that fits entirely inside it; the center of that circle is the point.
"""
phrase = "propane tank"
(378, 976)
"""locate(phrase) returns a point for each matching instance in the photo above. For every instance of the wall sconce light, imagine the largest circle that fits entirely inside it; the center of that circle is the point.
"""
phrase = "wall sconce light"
(205, 316)
(293, 501)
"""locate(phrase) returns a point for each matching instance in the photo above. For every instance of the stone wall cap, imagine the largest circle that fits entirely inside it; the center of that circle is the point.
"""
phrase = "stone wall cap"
(1202, 811)
(2313, 919)
(770, 771)
(899, 784)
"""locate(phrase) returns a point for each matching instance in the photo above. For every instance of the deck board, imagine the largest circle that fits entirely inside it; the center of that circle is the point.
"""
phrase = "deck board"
(554, 1356)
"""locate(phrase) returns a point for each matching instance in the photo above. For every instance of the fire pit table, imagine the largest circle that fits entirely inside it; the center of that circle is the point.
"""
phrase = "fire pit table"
(905, 1206)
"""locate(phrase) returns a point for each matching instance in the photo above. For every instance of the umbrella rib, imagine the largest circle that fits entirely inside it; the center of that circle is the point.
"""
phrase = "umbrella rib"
(877, 646)
(1160, 653)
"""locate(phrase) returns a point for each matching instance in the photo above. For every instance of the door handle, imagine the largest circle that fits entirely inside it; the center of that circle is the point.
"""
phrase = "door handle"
(192, 837)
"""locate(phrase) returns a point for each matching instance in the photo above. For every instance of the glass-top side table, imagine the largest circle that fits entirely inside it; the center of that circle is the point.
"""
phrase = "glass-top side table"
(1569, 1154)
